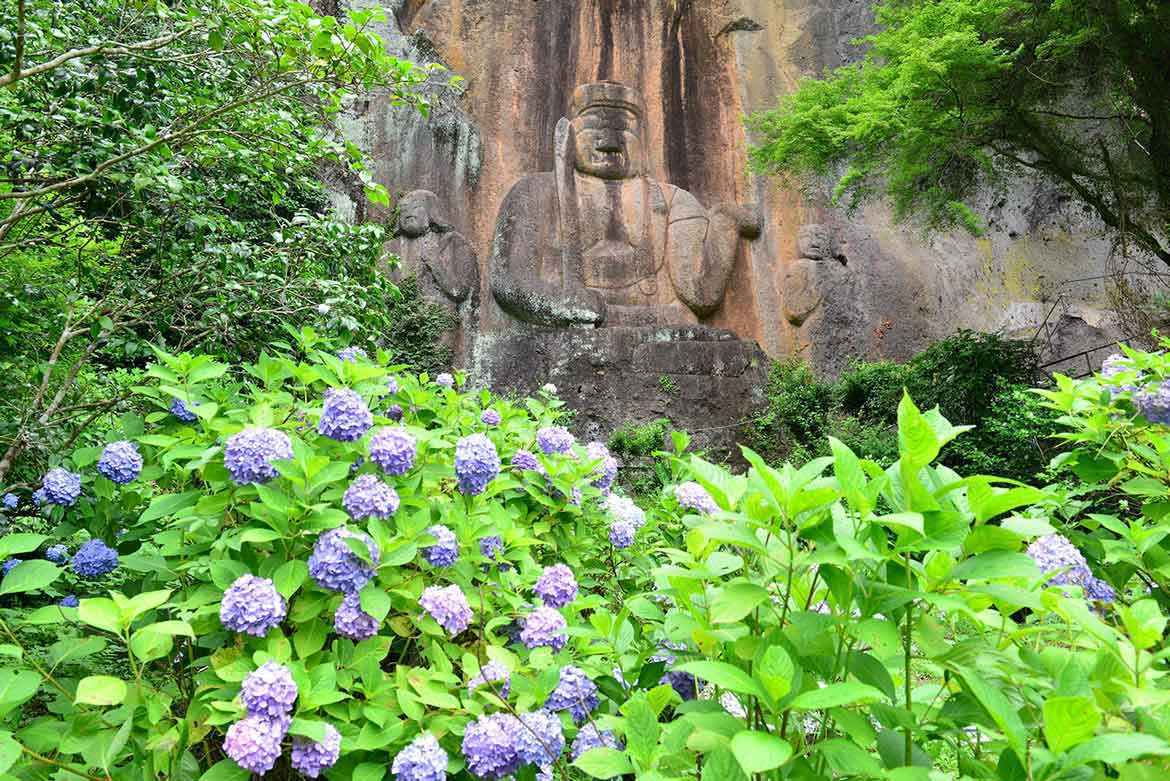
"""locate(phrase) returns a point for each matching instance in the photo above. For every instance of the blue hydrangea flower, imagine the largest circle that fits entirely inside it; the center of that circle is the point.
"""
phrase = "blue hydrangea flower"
(1054, 552)
(369, 497)
(61, 486)
(393, 449)
(248, 454)
(625, 511)
(353, 622)
(448, 606)
(1099, 591)
(685, 684)
(334, 566)
(541, 740)
(8, 566)
(621, 534)
(445, 552)
(445, 379)
(310, 758)
(691, 494)
(490, 417)
(554, 439)
(606, 471)
(490, 744)
(11, 500)
(394, 412)
(70, 600)
(180, 410)
(495, 673)
(526, 461)
(491, 546)
(556, 587)
(252, 605)
(589, 737)
(352, 353)
(476, 464)
(94, 558)
(39, 497)
(58, 554)
(345, 416)
(544, 626)
(422, 760)
(120, 462)
(269, 691)
(575, 692)
(253, 743)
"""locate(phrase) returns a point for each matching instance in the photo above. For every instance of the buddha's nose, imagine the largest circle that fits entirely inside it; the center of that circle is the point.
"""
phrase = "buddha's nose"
(610, 142)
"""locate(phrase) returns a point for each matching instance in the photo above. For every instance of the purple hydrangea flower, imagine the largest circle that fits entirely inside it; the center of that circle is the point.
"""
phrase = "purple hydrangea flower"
(544, 626)
(621, 534)
(575, 692)
(61, 486)
(554, 439)
(448, 606)
(8, 566)
(58, 553)
(685, 684)
(269, 691)
(391, 386)
(422, 760)
(445, 379)
(182, 412)
(490, 417)
(1153, 402)
(589, 737)
(254, 743)
(541, 740)
(490, 743)
(393, 449)
(493, 672)
(394, 412)
(353, 622)
(691, 494)
(252, 605)
(352, 353)
(445, 552)
(476, 464)
(526, 461)
(11, 500)
(491, 546)
(335, 566)
(369, 497)
(94, 558)
(39, 497)
(120, 462)
(345, 416)
(556, 587)
(69, 600)
(1099, 591)
(625, 511)
(1054, 552)
(249, 454)
(310, 758)
(608, 468)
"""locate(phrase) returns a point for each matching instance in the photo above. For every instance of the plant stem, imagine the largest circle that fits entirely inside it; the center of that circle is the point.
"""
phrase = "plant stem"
(906, 650)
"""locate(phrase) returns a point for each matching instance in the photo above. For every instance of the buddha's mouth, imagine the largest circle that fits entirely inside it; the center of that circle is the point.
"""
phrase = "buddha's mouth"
(609, 158)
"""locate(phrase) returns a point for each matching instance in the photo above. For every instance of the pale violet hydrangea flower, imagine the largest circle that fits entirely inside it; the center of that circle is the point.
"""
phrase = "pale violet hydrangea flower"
(94, 558)
(496, 674)
(369, 497)
(353, 622)
(269, 691)
(445, 551)
(621, 534)
(526, 461)
(589, 737)
(11, 500)
(333, 565)
(58, 554)
(445, 379)
(544, 626)
(345, 416)
(252, 605)
(352, 353)
(61, 486)
(575, 692)
(608, 468)
(554, 439)
(694, 496)
(394, 412)
(1055, 553)
(625, 511)
(393, 449)
(248, 454)
(490, 744)
(39, 497)
(254, 743)
(476, 464)
(422, 760)
(310, 758)
(120, 462)
(491, 546)
(183, 412)
(556, 587)
(541, 739)
(448, 606)
(490, 417)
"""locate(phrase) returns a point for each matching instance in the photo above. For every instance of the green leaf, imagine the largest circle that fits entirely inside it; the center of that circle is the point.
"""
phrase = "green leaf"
(735, 601)
(12, 544)
(604, 763)
(1002, 712)
(849, 759)
(10, 751)
(722, 765)
(641, 729)
(101, 613)
(1119, 747)
(837, 694)
(226, 770)
(29, 576)
(775, 670)
(290, 576)
(722, 674)
(16, 687)
(1144, 622)
(100, 690)
(758, 752)
(917, 443)
(375, 601)
(169, 504)
(369, 771)
(1069, 721)
(996, 564)
(307, 728)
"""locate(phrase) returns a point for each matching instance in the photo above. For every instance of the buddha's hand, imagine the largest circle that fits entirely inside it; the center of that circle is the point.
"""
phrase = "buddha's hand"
(583, 305)
(748, 218)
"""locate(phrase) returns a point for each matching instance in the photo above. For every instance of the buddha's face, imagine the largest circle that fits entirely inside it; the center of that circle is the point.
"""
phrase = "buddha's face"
(413, 218)
(608, 142)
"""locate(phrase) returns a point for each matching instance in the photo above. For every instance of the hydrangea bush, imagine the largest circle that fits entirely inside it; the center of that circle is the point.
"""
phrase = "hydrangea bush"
(305, 591)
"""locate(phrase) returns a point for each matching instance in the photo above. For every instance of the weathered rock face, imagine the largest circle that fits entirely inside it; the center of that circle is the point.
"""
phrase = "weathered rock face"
(817, 282)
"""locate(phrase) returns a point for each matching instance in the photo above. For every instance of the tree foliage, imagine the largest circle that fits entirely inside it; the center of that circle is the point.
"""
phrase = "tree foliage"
(953, 95)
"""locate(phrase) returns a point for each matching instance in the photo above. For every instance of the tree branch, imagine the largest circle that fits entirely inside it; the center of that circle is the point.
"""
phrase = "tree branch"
(101, 48)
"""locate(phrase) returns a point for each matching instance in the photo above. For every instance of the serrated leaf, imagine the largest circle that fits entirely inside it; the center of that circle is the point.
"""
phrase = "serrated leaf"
(604, 763)
(722, 674)
(29, 576)
(758, 752)
(100, 690)
(1069, 721)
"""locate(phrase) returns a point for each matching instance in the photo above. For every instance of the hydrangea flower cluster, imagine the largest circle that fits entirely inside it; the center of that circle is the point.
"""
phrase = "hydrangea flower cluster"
(253, 743)
(526, 461)
(490, 743)
(11, 500)
(422, 760)
(58, 553)
(1055, 553)
(575, 692)
(120, 462)
(8, 566)
(269, 691)
(181, 411)
(491, 546)
(353, 622)
(333, 565)
(490, 417)
(345, 416)
(69, 600)
(492, 672)
(685, 684)
(61, 486)
(691, 494)
(369, 497)
(544, 626)
(445, 552)
(310, 758)
(94, 558)
(541, 739)
(252, 605)
(476, 464)
(39, 497)
(608, 468)
(556, 587)
(554, 439)
(621, 534)
(448, 606)
(393, 449)
(625, 511)
(445, 379)
(589, 737)
(352, 353)
(394, 412)
(248, 454)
